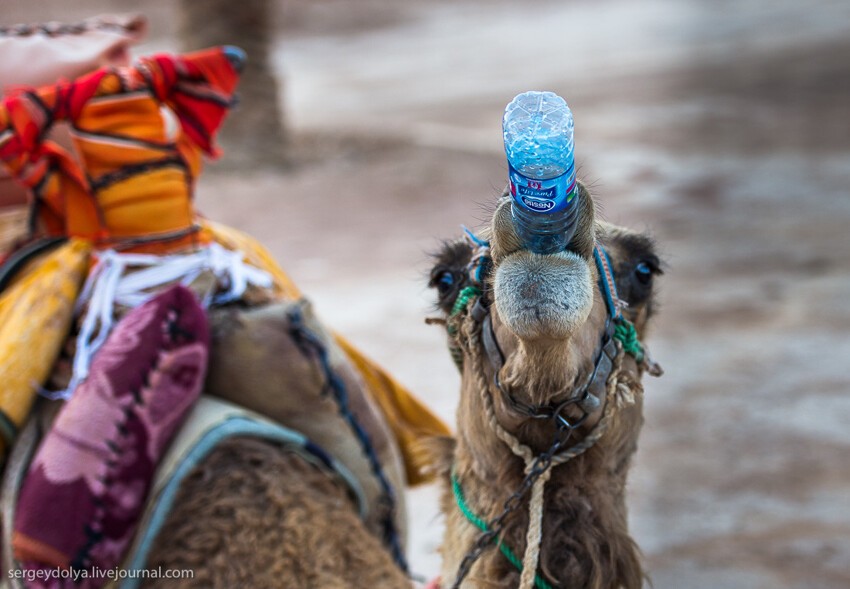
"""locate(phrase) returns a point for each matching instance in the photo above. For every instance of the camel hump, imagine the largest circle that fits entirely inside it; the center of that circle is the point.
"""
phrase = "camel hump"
(210, 423)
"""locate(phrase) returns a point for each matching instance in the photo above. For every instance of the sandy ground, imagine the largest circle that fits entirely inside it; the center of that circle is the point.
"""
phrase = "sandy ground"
(721, 127)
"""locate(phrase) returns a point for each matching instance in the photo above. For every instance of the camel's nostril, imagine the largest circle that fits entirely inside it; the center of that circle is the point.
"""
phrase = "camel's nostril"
(529, 291)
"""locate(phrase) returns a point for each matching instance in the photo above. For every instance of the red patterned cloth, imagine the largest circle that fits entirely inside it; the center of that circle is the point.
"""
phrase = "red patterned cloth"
(140, 133)
(87, 486)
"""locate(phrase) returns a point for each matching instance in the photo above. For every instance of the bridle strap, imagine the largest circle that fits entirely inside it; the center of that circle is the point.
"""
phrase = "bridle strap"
(591, 396)
(597, 387)
(607, 284)
(491, 345)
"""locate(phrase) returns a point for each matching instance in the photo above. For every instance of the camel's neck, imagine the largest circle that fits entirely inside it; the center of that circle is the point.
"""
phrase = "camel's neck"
(586, 542)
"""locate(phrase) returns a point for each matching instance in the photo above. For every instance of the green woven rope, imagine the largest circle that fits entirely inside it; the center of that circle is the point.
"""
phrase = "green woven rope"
(482, 525)
(466, 294)
(625, 332)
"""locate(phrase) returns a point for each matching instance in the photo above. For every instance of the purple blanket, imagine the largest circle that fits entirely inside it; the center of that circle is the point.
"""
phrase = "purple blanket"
(86, 489)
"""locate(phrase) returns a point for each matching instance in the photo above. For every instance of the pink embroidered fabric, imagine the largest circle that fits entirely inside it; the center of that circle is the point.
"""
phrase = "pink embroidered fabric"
(86, 488)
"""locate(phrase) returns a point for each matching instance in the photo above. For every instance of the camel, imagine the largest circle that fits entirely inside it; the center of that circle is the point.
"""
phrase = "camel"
(526, 331)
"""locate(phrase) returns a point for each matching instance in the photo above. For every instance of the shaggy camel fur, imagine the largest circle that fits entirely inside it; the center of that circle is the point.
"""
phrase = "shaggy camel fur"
(548, 317)
(254, 515)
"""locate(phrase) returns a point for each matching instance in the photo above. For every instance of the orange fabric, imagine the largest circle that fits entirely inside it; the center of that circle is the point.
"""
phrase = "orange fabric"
(35, 55)
(139, 132)
(30, 550)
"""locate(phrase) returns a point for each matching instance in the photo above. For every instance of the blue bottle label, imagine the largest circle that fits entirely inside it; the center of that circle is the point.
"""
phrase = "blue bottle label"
(543, 196)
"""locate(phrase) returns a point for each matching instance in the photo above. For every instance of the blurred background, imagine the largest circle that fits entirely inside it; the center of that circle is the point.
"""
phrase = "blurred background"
(370, 130)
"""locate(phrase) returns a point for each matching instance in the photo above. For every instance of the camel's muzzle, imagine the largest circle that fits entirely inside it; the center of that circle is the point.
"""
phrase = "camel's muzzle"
(541, 296)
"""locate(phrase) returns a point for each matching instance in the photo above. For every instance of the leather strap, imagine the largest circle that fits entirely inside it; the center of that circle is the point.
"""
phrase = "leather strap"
(590, 397)
(491, 346)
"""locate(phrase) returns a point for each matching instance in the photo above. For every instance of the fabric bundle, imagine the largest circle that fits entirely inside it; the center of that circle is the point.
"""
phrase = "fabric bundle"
(39, 54)
(140, 133)
(125, 200)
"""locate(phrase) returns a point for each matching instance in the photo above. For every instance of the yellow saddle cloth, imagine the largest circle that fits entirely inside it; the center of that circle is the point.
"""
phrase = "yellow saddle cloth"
(36, 311)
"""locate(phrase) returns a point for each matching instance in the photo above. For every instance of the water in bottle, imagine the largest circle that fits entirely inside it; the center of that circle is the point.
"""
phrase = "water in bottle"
(538, 132)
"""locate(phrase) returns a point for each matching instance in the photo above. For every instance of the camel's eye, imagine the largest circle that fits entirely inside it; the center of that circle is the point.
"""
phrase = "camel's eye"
(444, 282)
(643, 273)
(449, 273)
(447, 282)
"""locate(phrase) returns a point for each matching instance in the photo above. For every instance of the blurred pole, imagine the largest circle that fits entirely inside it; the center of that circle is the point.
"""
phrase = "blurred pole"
(254, 134)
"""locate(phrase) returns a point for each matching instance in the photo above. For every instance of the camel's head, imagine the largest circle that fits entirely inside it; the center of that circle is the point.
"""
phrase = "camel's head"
(551, 366)
(547, 314)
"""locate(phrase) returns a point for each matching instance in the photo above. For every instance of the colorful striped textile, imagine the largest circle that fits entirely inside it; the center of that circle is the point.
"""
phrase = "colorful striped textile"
(139, 132)
(39, 54)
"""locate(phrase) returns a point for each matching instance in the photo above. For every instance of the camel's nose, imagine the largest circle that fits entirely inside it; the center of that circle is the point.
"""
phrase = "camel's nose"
(506, 239)
(542, 297)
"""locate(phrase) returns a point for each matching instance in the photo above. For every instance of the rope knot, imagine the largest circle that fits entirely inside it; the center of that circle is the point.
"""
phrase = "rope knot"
(464, 298)
(626, 334)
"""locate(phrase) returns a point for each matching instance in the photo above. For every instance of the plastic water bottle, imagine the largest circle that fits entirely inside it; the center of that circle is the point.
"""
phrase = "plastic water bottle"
(538, 132)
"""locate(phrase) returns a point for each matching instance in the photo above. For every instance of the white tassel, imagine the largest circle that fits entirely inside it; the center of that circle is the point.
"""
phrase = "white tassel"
(109, 285)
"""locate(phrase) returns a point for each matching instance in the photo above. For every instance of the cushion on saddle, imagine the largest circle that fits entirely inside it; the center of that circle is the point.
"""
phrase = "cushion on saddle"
(250, 349)
(81, 500)
(409, 419)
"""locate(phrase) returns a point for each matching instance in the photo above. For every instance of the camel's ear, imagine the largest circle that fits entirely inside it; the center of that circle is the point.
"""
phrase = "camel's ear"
(437, 454)
(583, 241)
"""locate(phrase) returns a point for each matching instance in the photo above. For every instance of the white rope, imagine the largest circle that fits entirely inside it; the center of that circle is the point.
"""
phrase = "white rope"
(534, 532)
(109, 284)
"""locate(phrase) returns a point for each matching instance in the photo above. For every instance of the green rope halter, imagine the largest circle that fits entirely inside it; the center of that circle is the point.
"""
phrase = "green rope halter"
(626, 334)
(464, 298)
(466, 294)
(479, 523)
